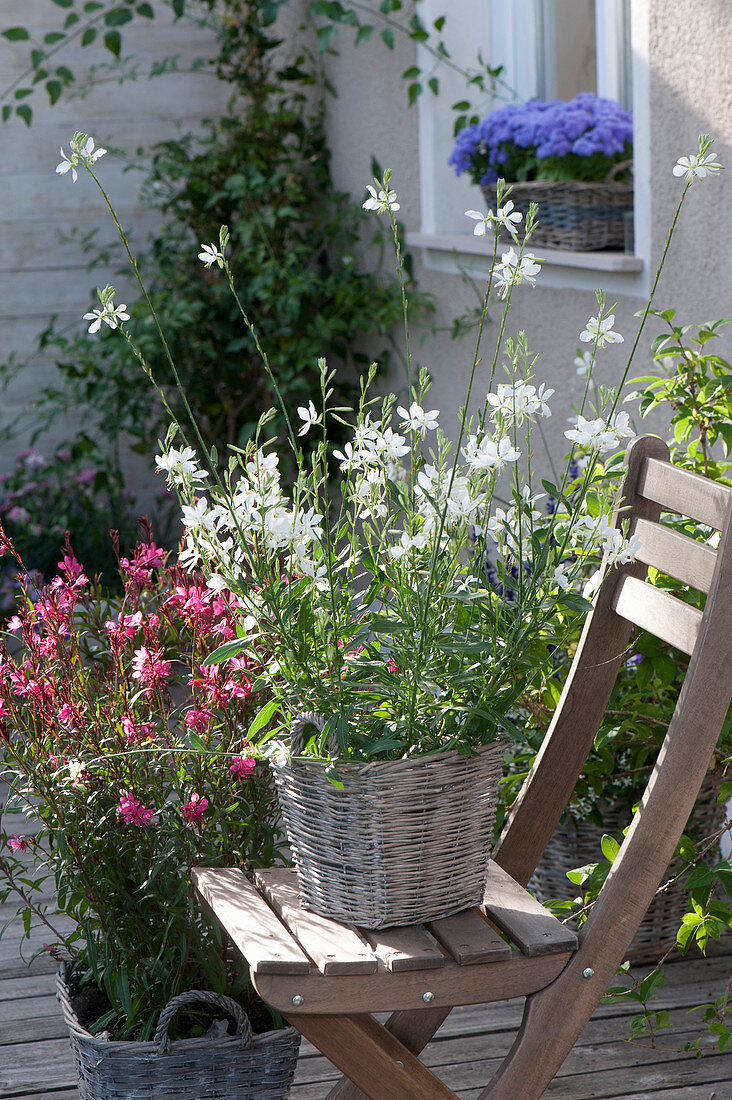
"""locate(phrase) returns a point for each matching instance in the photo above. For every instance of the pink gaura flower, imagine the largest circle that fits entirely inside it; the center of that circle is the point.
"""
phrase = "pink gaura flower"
(146, 558)
(198, 719)
(194, 810)
(392, 665)
(126, 626)
(150, 668)
(18, 843)
(242, 766)
(69, 715)
(132, 811)
(137, 732)
(14, 624)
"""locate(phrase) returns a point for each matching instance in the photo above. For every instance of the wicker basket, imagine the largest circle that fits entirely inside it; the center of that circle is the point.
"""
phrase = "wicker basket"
(579, 217)
(232, 1067)
(577, 844)
(402, 842)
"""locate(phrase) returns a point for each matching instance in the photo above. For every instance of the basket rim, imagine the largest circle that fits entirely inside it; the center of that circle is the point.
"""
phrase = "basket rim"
(354, 766)
(148, 1046)
(564, 185)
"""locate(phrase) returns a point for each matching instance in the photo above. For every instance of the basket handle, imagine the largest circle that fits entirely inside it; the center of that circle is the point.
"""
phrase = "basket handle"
(243, 1027)
(617, 169)
(297, 734)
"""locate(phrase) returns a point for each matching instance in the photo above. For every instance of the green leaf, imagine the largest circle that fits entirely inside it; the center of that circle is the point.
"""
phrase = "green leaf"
(227, 650)
(113, 42)
(363, 33)
(651, 983)
(53, 36)
(387, 37)
(63, 3)
(262, 718)
(146, 11)
(88, 36)
(179, 7)
(24, 112)
(54, 88)
(7, 111)
(16, 34)
(610, 847)
(413, 92)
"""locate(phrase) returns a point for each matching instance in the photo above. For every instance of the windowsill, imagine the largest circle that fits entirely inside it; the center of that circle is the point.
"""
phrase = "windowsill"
(453, 253)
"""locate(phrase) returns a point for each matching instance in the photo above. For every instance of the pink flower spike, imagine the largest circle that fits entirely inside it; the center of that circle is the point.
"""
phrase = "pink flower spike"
(194, 810)
(149, 667)
(132, 811)
(242, 766)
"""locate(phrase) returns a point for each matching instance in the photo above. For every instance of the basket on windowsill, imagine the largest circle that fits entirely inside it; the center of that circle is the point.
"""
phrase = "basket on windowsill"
(577, 843)
(573, 215)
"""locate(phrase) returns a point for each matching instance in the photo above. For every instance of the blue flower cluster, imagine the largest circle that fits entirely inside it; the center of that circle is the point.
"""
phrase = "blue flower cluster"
(545, 140)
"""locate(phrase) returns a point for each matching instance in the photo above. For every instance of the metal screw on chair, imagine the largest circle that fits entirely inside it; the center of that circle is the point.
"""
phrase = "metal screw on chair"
(588, 972)
(297, 1000)
(427, 997)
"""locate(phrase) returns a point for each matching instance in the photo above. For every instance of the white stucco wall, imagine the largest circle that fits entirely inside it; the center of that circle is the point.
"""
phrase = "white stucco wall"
(39, 275)
(683, 54)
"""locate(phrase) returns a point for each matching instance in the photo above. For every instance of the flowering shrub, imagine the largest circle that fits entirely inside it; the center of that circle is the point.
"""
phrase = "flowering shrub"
(581, 139)
(129, 756)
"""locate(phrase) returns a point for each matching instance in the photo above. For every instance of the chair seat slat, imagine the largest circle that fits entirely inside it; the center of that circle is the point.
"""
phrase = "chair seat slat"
(651, 609)
(678, 555)
(249, 922)
(683, 492)
(334, 948)
(406, 948)
(524, 920)
(470, 939)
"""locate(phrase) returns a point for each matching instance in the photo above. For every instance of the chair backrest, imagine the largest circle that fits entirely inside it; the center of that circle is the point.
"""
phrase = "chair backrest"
(651, 485)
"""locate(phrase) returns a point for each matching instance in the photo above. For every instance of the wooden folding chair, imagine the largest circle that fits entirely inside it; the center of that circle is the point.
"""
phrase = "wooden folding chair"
(327, 979)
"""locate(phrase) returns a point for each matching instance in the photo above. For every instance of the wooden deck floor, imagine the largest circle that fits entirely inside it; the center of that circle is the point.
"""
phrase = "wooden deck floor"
(35, 1060)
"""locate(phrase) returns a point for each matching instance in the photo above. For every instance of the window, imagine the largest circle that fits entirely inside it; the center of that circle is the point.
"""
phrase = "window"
(548, 49)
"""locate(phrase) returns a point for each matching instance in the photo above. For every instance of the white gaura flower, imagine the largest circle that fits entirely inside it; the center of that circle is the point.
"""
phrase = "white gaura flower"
(67, 164)
(180, 465)
(391, 446)
(407, 543)
(82, 151)
(309, 416)
(583, 363)
(348, 458)
(512, 271)
(489, 455)
(211, 254)
(482, 221)
(417, 420)
(197, 515)
(381, 201)
(694, 167)
(109, 313)
(621, 550)
(560, 576)
(509, 218)
(599, 332)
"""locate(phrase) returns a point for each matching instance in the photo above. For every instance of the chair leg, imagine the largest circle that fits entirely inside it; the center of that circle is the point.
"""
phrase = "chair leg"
(371, 1057)
(413, 1029)
(553, 1020)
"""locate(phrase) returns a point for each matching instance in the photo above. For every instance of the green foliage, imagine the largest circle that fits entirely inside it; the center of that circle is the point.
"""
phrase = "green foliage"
(295, 250)
(84, 20)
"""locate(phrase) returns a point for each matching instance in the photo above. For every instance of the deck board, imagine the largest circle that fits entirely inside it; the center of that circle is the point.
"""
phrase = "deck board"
(35, 1061)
